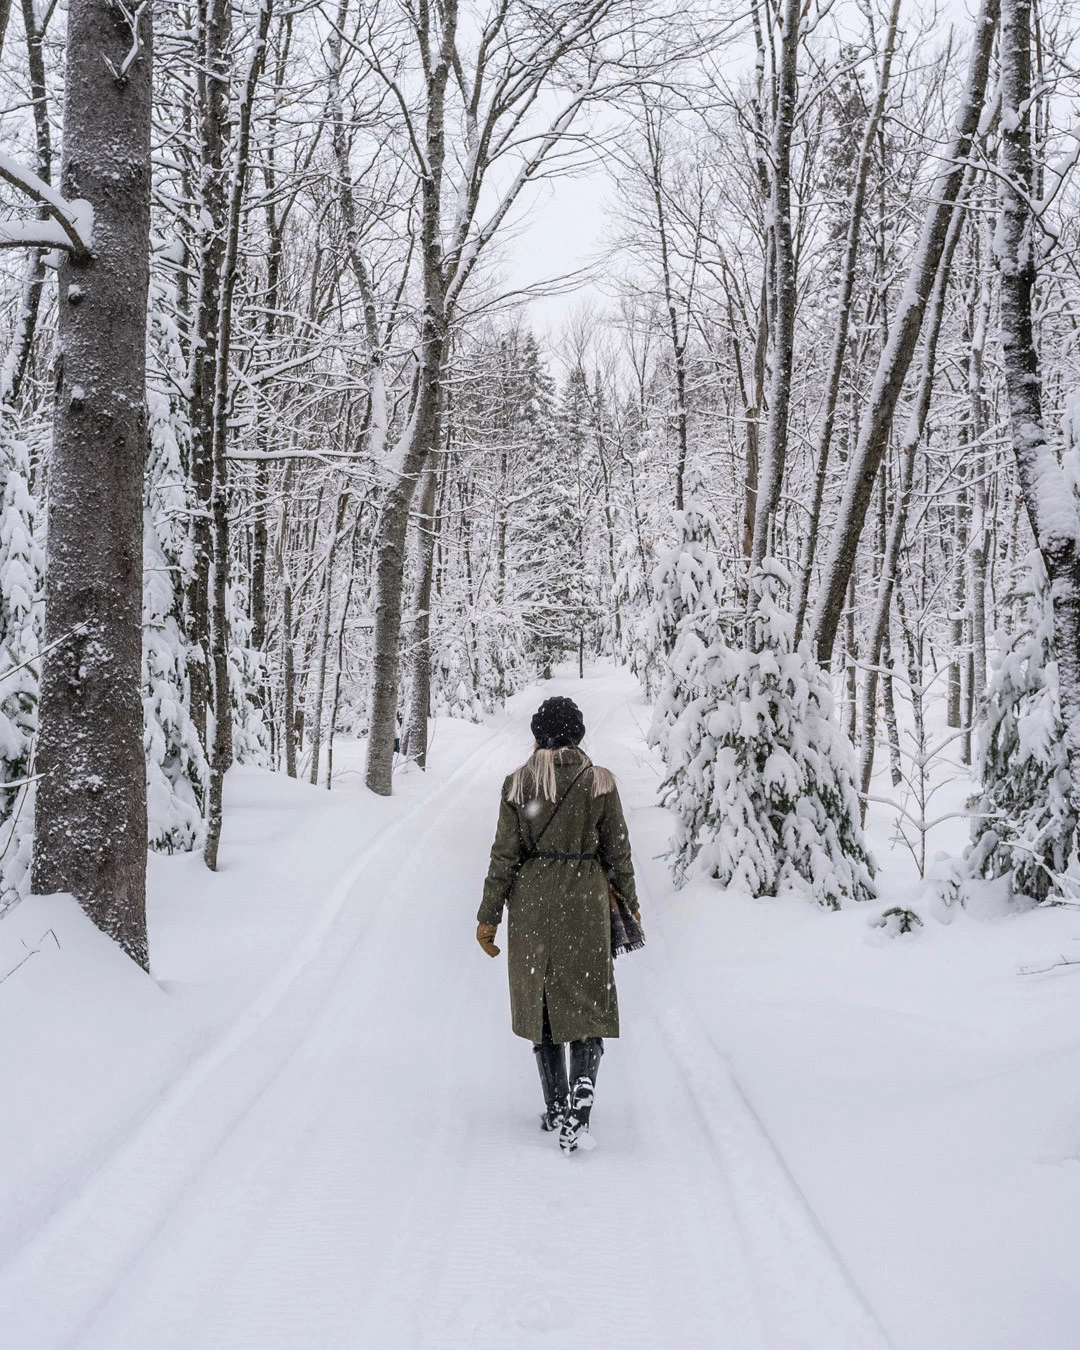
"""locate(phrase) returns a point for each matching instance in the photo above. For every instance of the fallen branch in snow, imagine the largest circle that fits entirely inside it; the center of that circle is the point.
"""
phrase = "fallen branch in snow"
(74, 219)
(1043, 970)
(33, 951)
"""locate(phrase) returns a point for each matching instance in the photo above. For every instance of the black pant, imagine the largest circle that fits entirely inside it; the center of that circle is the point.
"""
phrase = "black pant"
(551, 1060)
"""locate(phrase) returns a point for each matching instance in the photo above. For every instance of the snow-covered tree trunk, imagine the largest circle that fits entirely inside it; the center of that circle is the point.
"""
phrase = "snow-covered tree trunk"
(26, 317)
(90, 828)
(220, 628)
(903, 337)
(848, 269)
(422, 435)
(212, 77)
(420, 657)
(420, 439)
(1048, 495)
(980, 524)
(890, 563)
(784, 297)
(652, 116)
(337, 524)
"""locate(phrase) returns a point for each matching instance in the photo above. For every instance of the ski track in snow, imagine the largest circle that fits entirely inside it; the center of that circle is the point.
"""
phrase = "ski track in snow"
(357, 1162)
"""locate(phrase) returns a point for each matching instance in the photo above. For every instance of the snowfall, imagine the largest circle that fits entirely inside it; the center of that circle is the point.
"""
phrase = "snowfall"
(313, 1128)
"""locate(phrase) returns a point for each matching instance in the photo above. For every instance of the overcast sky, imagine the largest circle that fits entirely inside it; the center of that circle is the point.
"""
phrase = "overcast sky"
(564, 227)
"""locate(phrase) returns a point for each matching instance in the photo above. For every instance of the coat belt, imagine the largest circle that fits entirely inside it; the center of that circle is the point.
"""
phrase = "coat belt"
(565, 857)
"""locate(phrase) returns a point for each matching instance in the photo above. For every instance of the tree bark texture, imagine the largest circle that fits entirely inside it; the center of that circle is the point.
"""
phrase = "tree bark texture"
(1051, 505)
(221, 759)
(336, 527)
(903, 337)
(422, 435)
(421, 440)
(215, 25)
(783, 354)
(420, 656)
(91, 831)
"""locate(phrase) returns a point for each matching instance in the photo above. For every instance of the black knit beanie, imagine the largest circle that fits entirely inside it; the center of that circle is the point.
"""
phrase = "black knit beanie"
(557, 722)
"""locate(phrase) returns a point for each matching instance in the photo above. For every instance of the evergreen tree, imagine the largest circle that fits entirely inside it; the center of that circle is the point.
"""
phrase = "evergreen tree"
(1024, 826)
(552, 590)
(686, 579)
(22, 568)
(250, 736)
(176, 769)
(760, 777)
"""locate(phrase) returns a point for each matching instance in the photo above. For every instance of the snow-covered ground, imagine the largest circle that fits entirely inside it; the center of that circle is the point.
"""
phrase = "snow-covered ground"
(314, 1128)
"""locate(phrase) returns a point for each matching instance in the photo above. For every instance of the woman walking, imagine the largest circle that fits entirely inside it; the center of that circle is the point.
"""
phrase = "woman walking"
(561, 837)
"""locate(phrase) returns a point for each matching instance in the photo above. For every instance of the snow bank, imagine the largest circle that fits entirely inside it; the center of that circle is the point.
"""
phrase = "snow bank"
(811, 1127)
(925, 1094)
(92, 1042)
(87, 1039)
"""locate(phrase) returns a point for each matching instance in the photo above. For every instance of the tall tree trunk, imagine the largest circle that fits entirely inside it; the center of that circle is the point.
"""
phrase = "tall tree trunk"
(213, 79)
(776, 429)
(957, 626)
(336, 525)
(219, 503)
(335, 703)
(980, 523)
(903, 336)
(378, 413)
(890, 563)
(422, 435)
(288, 702)
(753, 426)
(848, 269)
(420, 656)
(90, 827)
(1051, 504)
(655, 151)
(421, 439)
(24, 331)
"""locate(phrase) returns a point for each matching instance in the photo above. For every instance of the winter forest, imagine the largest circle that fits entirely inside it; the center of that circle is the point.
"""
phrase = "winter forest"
(372, 369)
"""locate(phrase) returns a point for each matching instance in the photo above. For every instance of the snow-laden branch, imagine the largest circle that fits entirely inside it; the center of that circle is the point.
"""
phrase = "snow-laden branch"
(74, 219)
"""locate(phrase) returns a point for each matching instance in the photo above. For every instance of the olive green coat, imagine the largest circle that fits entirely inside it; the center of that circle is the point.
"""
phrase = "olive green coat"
(559, 934)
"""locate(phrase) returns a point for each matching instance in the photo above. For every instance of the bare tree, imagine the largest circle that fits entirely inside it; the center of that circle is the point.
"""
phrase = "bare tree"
(826, 425)
(496, 87)
(904, 329)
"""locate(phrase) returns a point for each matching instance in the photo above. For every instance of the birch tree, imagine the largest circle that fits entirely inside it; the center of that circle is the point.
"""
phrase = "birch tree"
(1049, 497)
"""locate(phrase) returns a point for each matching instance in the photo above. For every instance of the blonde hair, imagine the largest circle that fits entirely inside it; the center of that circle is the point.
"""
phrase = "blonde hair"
(536, 777)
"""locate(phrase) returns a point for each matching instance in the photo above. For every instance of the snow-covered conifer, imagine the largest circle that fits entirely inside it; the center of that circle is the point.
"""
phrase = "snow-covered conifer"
(687, 591)
(176, 771)
(1024, 825)
(21, 572)
(760, 776)
(250, 737)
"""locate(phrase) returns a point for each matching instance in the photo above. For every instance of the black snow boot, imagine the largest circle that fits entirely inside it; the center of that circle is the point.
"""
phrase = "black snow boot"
(551, 1061)
(584, 1065)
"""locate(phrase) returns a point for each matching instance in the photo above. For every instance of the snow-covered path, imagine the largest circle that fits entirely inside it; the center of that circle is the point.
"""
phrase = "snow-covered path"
(357, 1163)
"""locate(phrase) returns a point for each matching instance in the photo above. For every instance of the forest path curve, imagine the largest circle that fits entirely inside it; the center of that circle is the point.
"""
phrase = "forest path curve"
(358, 1165)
